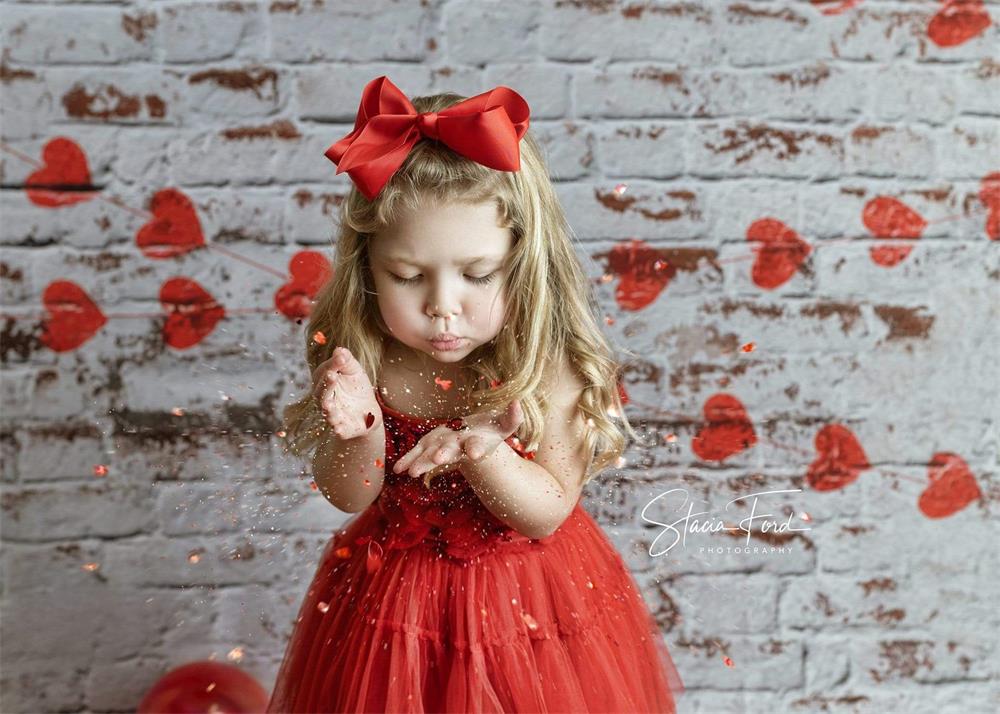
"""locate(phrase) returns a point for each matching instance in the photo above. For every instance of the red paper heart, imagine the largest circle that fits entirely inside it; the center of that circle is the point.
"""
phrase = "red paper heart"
(952, 486)
(175, 228)
(64, 166)
(728, 429)
(309, 270)
(642, 273)
(622, 393)
(780, 254)
(192, 313)
(841, 459)
(887, 217)
(73, 317)
(834, 7)
(958, 21)
(989, 194)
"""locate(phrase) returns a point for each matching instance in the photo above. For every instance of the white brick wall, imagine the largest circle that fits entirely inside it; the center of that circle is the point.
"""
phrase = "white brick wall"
(714, 115)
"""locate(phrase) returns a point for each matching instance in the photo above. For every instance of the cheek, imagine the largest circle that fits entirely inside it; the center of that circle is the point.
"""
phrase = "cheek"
(392, 305)
(492, 309)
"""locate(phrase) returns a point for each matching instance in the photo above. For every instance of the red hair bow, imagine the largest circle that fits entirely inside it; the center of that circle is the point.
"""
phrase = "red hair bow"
(485, 128)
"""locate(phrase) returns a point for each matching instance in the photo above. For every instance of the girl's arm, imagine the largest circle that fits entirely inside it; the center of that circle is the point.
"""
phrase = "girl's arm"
(535, 497)
(519, 492)
(341, 468)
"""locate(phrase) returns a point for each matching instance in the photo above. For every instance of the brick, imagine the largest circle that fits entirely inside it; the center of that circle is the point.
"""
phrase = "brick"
(118, 686)
(625, 149)
(255, 618)
(195, 561)
(771, 149)
(207, 31)
(813, 90)
(576, 31)
(759, 662)
(41, 684)
(967, 149)
(225, 94)
(491, 31)
(647, 211)
(75, 510)
(888, 150)
(189, 508)
(305, 33)
(635, 92)
(40, 34)
(546, 87)
(126, 95)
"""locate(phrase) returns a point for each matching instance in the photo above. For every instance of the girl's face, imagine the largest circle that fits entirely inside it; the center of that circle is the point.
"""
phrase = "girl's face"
(440, 270)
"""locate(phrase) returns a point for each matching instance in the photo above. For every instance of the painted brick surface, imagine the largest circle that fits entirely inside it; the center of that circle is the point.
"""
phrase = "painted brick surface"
(790, 210)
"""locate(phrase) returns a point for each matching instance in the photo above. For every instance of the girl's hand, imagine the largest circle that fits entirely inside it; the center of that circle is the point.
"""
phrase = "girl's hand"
(443, 449)
(345, 395)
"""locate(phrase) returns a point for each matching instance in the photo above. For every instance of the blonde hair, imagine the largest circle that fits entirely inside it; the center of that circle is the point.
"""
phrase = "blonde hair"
(551, 310)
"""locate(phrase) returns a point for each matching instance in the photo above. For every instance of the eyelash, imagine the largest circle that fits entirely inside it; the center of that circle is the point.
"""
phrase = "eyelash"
(478, 281)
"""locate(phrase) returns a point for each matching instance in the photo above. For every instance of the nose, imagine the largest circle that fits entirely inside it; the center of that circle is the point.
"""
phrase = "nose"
(444, 300)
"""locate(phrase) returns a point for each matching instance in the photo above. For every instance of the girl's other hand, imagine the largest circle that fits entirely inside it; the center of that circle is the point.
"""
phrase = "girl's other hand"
(345, 395)
(443, 449)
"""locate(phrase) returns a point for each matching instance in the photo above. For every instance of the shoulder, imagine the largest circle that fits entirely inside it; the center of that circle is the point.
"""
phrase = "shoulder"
(567, 384)
(562, 449)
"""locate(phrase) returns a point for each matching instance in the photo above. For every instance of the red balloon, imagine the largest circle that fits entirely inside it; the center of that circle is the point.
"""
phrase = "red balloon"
(204, 687)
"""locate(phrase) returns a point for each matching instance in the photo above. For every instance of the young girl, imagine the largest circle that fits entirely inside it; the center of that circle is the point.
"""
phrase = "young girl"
(463, 395)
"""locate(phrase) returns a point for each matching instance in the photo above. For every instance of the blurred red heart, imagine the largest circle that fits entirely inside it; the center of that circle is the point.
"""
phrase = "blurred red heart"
(958, 21)
(888, 217)
(309, 270)
(841, 459)
(643, 274)
(175, 228)
(780, 254)
(192, 313)
(622, 393)
(952, 486)
(73, 317)
(64, 166)
(202, 687)
(728, 429)
(989, 194)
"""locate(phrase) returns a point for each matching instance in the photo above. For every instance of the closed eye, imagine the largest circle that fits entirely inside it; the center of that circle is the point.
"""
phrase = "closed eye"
(472, 279)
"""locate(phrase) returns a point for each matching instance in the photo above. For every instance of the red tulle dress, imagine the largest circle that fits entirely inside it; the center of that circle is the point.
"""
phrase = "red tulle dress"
(426, 602)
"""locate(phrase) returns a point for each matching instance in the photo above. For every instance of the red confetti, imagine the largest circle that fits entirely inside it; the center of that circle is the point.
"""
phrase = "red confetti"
(374, 561)
(445, 384)
(319, 338)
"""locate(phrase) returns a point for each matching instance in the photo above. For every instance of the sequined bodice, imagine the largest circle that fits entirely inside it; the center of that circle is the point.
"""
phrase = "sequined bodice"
(447, 515)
